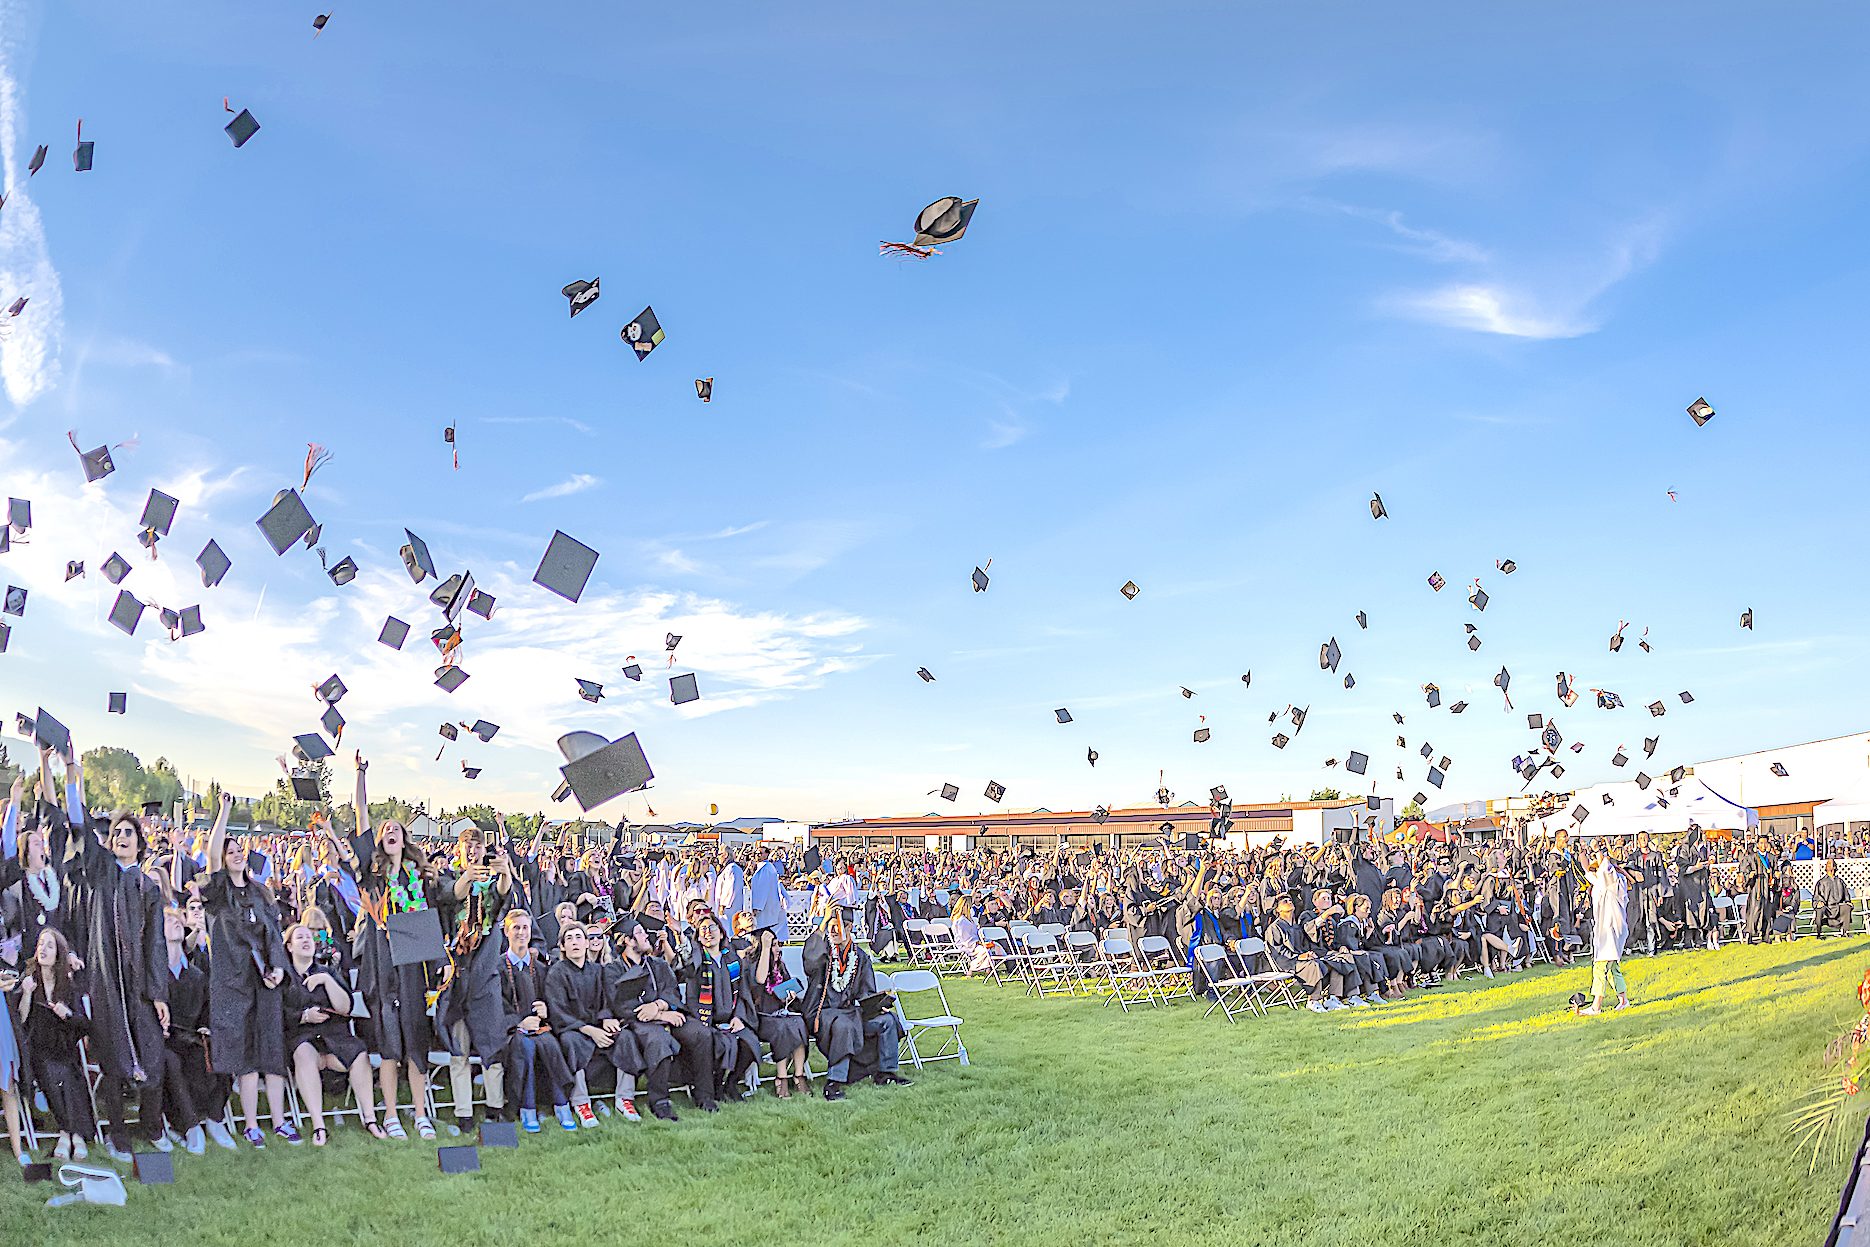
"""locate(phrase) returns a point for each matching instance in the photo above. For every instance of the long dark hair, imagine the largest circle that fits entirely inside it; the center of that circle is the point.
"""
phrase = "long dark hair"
(60, 988)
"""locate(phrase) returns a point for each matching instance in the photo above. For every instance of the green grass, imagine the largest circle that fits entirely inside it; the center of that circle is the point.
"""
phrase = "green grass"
(1480, 1113)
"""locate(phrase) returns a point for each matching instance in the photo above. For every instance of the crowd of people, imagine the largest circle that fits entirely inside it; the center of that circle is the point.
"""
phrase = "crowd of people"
(189, 972)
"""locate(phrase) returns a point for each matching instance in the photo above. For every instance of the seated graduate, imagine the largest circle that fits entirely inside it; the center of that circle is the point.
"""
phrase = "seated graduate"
(1290, 953)
(840, 979)
(1831, 901)
(762, 976)
(53, 1018)
(532, 1050)
(576, 1009)
(194, 1097)
(711, 993)
(645, 995)
(317, 1011)
(1320, 927)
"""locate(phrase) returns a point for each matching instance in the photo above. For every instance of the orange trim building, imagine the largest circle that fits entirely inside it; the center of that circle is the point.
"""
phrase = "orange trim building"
(1300, 822)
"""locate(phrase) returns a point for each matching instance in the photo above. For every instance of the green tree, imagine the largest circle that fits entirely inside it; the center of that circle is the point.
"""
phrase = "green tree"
(1411, 812)
(1325, 794)
(115, 778)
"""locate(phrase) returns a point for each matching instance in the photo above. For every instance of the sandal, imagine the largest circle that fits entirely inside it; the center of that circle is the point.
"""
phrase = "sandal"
(376, 1130)
(395, 1128)
(319, 1136)
(426, 1129)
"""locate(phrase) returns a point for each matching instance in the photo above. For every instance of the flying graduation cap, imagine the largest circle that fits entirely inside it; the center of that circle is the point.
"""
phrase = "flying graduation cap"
(467, 772)
(1201, 736)
(1090, 755)
(416, 558)
(243, 127)
(1376, 507)
(682, 690)
(1363, 620)
(97, 464)
(74, 568)
(1129, 590)
(590, 690)
(1649, 745)
(633, 672)
(1478, 598)
(980, 581)
(995, 791)
(1064, 715)
(1746, 619)
(1507, 566)
(1779, 769)
(582, 294)
(1435, 581)
(1329, 655)
(318, 23)
(1701, 412)
(704, 389)
(38, 161)
(943, 221)
(1357, 762)
(644, 334)
(566, 567)
(81, 155)
(1501, 682)
(394, 633)
(949, 792)
(286, 522)
(119, 703)
(485, 730)
(924, 673)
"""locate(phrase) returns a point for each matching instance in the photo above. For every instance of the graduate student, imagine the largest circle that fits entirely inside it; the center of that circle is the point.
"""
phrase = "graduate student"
(53, 1019)
(580, 1017)
(318, 1034)
(712, 995)
(762, 975)
(1610, 927)
(839, 978)
(533, 1055)
(247, 965)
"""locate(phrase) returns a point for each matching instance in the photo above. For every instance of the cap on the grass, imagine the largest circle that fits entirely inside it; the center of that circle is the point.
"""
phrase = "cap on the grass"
(682, 689)
(394, 633)
(127, 613)
(566, 566)
(590, 690)
(286, 521)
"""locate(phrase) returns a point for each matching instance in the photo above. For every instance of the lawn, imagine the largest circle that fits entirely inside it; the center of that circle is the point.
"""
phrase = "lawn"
(1478, 1113)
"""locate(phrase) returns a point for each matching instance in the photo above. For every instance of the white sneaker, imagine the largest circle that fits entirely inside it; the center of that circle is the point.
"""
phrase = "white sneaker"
(1487, 970)
(78, 1149)
(161, 1143)
(217, 1131)
(1358, 1002)
(168, 1132)
(1333, 1003)
(195, 1141)
(1316, 1007)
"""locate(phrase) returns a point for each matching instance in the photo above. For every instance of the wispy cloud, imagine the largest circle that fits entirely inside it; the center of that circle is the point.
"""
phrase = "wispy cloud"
(576, 424)
(576, 483)
(735, 532)
(1489, 309)
(29, 354)
(1001, 433)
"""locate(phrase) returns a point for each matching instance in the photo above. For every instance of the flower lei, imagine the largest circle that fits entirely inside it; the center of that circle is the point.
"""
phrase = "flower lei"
(842, 974)
(406, 891)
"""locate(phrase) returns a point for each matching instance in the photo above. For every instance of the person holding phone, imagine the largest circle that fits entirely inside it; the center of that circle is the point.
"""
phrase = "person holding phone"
(246, 1020)
(771, 994)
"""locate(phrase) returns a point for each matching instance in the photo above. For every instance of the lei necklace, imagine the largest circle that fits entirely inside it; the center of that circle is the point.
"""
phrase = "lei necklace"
(406, 893)
(841, 977)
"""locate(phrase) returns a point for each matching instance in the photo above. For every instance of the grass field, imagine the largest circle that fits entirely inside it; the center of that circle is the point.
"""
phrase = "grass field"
(1479, 1113)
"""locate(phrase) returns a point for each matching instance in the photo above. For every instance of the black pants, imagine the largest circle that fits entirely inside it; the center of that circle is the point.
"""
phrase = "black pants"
(192, 1091)
(1838, 916)
(62, 1079)
(112, 1092)
(696, 1041)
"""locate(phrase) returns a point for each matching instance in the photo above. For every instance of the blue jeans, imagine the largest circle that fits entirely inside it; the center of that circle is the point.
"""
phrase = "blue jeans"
(529, 1050)
(883, 1026)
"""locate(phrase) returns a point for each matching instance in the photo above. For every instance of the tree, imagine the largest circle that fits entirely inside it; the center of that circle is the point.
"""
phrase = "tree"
(115, 778)
(1411, 813)
(1325, 794)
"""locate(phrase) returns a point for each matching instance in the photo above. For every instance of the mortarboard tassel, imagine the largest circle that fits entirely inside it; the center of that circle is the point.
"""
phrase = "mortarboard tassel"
(316, 457)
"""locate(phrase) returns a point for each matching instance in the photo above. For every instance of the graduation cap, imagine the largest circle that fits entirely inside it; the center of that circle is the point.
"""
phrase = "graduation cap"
(1298, 719)
(1657, 709)
(1580, 812)
(945, 220)
(154, 1168)
(633, 672)
(1401, 743)
(704, 389)
(1376, 507)
(213, 563)
(452, 594)
(1396, 715)
(1281, 740)
(1619, 758)
(286, 522)
(670, 641)
(1608, 800)
(1363, 620)
(416, 558)
(581, 293)
(682, 689)
(1551, 738)
(38, 161)
(1527, 769)
(5, 634)
(1357, 762)
(485, 730)
(1779, 769)
(1701, 412)
(1433, 694)
(1473, 643)
(1687, 698)
(311, 747)
(566, 567)
(1350, 681)
(1186, 691)
(1746, 619)
(189, 621)
(1435, 776)
(1427, 750)
(590, 690)
(1090, 755)
(1435, 581)
(394, 633)
(48, 731)
(1557, 770)
(980, 581)
(243, 127)
(1478, 598)
(73, 569)
(1616, 638)
(127, 613)
(318, 23)
(19, 513)
(1607, 700)
(1502, 680)
(481, 603)
(949, 792)
(470, 772)
(1457, 708)
(1507, 566)
(1201, 735)
(1329, 655)
(1420, 797)
(924, 673)
(1675, 776)
(995, 791)
(331, 692)
(343, 572)
(1099, 814)
(81, 155)
(170, 619)
(1247, 679)
(448, 679)
(644, 334)
(458, 1159)
(1642, 781)
(1649, 745)
(119, 703)
(1064, 715)
(97, 464)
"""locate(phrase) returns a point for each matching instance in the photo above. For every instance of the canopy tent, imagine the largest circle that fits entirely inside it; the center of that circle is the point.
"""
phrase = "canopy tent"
(1850, 806)
(1633, 809)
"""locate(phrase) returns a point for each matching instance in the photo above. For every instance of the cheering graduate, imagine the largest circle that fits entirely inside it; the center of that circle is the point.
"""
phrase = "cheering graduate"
(1610, 927)
(712, 994)
(246, 1026)
(53, 1020)
(841, 986)
(469, 1013)
(769, 995)
(1759, 875)
(317, 1011)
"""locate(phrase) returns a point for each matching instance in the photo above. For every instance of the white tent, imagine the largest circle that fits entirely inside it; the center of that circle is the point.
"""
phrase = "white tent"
(1632, 809)
(1850, 806)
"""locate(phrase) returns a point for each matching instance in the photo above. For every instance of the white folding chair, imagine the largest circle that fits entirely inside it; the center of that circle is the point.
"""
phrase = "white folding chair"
(915, 954)
(1267, 986)
(1082, 960)
(912, 982)
(1129, 980)
(998, 939)
(1223, 982)
(943, 956)
(1727, 918)
(1170, 980)
(1045, 961)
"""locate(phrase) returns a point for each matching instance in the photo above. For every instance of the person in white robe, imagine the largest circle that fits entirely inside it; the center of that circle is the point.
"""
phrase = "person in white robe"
(1610, 927)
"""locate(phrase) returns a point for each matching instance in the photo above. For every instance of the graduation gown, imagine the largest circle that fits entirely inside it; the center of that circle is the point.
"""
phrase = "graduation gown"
(644, 1045)
(246, 1027)
(126, 960)
(574, 997)
(777, 1025)
(1759, 875)
(728, 1003)
(473, 991)
(832, 1013)
(1691, 886)
(397, 996)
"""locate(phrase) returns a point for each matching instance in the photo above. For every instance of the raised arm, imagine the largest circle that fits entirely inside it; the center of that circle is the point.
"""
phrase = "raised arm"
(217, 838)
(361, 802)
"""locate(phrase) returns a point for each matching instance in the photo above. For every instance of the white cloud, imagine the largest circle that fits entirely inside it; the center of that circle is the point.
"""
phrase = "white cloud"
(1489, 309)
(582, 428)
(1002, 434)
(29, 363)
(576, 483)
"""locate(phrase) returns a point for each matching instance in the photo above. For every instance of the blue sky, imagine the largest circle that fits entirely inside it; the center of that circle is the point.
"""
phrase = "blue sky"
(1234, 268)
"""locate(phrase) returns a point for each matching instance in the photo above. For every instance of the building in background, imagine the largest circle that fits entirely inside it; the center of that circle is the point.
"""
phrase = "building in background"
(1298, 822)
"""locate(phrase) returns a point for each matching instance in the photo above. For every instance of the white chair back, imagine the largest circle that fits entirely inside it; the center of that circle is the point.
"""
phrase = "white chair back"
(1039, 941)
(1211, 953)
(1080, 941)
(1053, 928)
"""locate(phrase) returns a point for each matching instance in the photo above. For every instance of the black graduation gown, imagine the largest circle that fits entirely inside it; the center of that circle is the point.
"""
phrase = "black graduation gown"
(126, 960)
(473, 991)
(245, 1018)
(574, 997)
(729, 1004)
(35, 917)
(1691, 886)
(1759, 874)
(397, 996)
(777, 1025)
(833, 1015)
(645, 1044)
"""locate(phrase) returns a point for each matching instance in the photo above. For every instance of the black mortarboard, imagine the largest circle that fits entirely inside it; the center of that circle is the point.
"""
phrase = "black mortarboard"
(171, 619)
(644, 334)
(19, 513)
(1457, 708)
(945, 220)
(470, 772)
(485, 730)
(1446, 763)
(704, 389)
(1247, 679)
(566, 566)
(1298, 718)
(1350, 681)
(1649, 745)
(949, 792)
(1557, 770)
(190, 621)
(313, 534)
(214, 565)
(1608, 800)
(1607, 700)
(1329, 655)
(1675, 776)
(1619, 758)
(1433, 693)
(1503, 679)
(1657, 709)
(48, 731)
(1550, 737)
(1420, 797)
(154, 1168)
(1218, 794)
(1435, 581)
(119, 703)
(1435, 776)
(448, 679)
(1473, 643)
(1363, 620)
(1201, 735)
(318, 23)
(5, 633)
(331, 691)
(332, 721)
(1099, 814)
(1779, 769)
(670, 641)
(980, 581)
(1507, 566)
(1642, 781)
(682, 689)
(605, 772)
(633, 672)
(97, 464)
(343, 572)
(924, 673)
(312, 746)
(1580, 812)
(1281, 740)
(450, 731)
(1478, 598)
(590, 690)
(1701, 412)
(1746, 619)
(1090, 755)
(1376, 507)
(1427, 751)
(115, 568)
(1686, 698)
(447, 594)
(38, 161)
(1129, 590)
(1396, 715)
(15, 602)
(81, 154)
(286, 522)
(481, 603)
(416, 936)
(1616, 641)
(127, 613)
(394, 633)
(416, 558)
(581, 293)
(499, 1134)
(995, 791)
(1357, 762)
(1064, 715)
(242, 128)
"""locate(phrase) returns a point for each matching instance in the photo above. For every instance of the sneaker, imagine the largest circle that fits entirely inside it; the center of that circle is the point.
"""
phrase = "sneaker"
(255, 1138)
(217, 1130)
(1316, 1006)
(627, 1107)
(834, 1091)
(195, 1141)
(24, 1157)
(118, 1154)
(62, 1150)
(1488, 970)
(529, 1120)
(662, 1110)
(161, 1142)
(289, 1133)
(168, 1132)
(566, 1119)
(1358, 1002)
(78, 1150)
(586, 1117)
(426, 1129)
